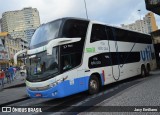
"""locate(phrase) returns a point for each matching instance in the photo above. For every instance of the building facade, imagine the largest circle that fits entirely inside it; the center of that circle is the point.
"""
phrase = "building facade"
(11, 45)
(156, 36)
(147, 25)
(0, 24)
(21, 23)
(4, 55)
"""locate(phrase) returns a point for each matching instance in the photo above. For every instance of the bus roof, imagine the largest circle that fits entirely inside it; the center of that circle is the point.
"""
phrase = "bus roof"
(97, 22)
(66, 18)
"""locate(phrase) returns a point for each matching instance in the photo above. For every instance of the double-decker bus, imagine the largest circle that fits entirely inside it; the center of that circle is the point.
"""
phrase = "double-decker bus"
(72, 55)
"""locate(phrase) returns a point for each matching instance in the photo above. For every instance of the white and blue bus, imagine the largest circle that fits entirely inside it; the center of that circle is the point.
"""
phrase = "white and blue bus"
(72, 55)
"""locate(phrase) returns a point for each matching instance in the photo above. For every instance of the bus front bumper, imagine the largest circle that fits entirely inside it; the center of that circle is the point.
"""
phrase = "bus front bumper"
(63, 89)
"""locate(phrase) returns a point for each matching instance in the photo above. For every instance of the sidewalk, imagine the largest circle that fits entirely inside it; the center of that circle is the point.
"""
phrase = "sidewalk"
(14, 91)
(18, 81)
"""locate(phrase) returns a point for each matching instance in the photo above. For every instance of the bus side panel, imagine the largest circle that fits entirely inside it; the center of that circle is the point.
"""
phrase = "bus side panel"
(79, 85)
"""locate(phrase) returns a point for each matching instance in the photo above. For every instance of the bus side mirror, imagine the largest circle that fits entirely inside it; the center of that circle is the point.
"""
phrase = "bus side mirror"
(18, 53)
(49, 51)
(55, 42)
(60, 41)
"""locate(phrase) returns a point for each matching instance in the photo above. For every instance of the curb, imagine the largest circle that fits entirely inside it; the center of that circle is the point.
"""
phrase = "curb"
(14, 101)
(16, 85)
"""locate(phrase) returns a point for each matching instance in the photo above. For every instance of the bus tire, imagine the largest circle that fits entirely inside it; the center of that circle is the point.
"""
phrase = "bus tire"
(93, 86)
(143, 71)
(148, 70)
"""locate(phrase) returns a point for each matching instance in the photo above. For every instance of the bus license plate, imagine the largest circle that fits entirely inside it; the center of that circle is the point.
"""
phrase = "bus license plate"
(38, 95)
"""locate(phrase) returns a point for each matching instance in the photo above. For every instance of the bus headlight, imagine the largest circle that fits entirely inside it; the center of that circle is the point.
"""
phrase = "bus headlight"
(59, 81)
(52, 84)
(38, 88)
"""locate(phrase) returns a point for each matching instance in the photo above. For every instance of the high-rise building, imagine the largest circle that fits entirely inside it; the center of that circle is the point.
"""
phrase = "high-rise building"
(21, 23)
(147, 25)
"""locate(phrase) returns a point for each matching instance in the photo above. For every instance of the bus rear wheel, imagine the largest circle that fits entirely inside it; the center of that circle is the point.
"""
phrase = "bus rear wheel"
(93, 85)
(143, 71)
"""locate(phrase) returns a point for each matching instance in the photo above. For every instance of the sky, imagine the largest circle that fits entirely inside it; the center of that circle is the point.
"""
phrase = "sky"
(113, 12)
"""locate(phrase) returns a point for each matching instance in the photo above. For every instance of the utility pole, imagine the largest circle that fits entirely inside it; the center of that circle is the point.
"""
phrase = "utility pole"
(140, 20)
(86, 8)
(139, 13)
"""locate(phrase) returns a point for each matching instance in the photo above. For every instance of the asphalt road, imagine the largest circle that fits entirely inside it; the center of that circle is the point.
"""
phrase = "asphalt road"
(141, 96)
(133, 92)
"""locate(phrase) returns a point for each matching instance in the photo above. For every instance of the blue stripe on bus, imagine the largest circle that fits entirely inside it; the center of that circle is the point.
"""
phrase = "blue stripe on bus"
(63, 89)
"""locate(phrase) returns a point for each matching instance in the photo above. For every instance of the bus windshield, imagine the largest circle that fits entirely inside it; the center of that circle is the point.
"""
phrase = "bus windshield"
(45, 33)
(42, 66)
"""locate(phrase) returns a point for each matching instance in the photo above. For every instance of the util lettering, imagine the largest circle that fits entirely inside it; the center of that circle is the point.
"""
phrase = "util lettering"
(146, 54)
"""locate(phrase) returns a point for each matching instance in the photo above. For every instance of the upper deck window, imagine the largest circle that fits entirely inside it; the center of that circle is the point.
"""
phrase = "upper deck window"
(75, 28)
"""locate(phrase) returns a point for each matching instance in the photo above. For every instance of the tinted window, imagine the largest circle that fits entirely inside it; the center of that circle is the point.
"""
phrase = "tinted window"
(129, 36)
(75, 28)
(72, 53)
(98, 33)
(124, 57)
(144, 39)
(129, 57)
(113, 58)
(109, 33)
(70, 61)
(120, 35)
(101, 32)
(100, 60)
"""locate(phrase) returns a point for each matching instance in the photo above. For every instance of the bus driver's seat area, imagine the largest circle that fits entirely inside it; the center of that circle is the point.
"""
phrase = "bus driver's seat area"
(67, 66)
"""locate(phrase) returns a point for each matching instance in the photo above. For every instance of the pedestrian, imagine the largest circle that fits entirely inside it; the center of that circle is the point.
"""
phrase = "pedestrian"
(14, 73)
(11, 71)
(8, 76)
(2, 75)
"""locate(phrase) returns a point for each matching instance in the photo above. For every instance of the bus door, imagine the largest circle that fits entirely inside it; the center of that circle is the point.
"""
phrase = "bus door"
(113, 49)
(71, 56)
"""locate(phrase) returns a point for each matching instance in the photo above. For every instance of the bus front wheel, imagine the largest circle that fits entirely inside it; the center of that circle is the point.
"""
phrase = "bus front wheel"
(93, 85)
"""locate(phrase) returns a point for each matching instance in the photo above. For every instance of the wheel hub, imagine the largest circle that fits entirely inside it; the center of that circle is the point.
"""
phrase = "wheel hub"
(93, 84)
